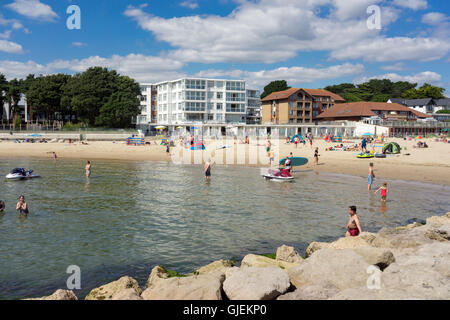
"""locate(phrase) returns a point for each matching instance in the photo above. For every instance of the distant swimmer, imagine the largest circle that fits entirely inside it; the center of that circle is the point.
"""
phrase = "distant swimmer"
(207, 170)
(55, 157)
(353, 226)
(22, 206)
(88, 169)
(2, 205)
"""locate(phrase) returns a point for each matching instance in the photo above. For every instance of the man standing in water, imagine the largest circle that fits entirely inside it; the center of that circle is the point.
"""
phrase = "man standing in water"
(207, 169)
(88, 169)
(353, 226)
(22, 206)
(371, 176)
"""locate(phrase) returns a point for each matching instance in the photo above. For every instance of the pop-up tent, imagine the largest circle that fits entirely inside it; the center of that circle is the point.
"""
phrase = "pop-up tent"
(392, 148)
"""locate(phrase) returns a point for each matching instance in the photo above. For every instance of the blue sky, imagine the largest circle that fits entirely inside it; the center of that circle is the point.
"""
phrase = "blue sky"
(310, 43)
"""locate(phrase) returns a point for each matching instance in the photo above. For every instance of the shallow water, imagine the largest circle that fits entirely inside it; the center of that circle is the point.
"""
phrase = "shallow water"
(130, 217)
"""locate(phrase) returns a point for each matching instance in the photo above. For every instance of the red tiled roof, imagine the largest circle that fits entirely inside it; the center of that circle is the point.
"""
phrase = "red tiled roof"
(280, 95)
(365, 109)
(324, 93)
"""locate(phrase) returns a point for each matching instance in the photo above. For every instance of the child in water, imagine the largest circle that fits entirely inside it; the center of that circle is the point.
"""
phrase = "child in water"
(384, 191)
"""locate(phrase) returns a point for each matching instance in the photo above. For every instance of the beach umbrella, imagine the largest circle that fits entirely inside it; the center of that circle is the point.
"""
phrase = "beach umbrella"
(160, 128)
(35, 135)
(446, 130)
(367, 134)
(179, 127)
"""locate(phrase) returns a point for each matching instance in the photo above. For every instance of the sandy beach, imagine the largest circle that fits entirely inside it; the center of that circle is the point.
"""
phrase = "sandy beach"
(426, 165)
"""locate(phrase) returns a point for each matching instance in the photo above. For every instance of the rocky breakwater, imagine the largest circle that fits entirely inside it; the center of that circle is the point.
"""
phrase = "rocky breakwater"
(410, 262)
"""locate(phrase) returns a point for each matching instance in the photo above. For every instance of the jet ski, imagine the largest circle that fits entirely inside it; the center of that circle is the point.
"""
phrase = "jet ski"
(21, 174)
(278, 175)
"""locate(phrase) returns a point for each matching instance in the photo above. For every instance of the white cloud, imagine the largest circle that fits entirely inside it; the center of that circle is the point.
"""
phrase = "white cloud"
(10, 47)
(399, 66)
(189, 4)
(434, 18)
(79, 44)
(33, 9)
(140, 67)
(395, 49)
(419, 78)
(412, 4)
(295, 76)
(271, 31)
(6, 34)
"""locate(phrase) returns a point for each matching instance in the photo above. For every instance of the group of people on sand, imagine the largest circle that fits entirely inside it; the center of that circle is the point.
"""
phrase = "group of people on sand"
(21, 207)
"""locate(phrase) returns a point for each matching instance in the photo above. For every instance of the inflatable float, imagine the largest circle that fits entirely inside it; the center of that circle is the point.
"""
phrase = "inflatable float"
(295, 161)
(365, 156)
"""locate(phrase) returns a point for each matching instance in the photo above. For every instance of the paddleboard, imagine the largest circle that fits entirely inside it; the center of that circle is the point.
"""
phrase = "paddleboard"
(296, 161)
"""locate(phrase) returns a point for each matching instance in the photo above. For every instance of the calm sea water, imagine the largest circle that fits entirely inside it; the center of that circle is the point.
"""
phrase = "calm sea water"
(130, 217)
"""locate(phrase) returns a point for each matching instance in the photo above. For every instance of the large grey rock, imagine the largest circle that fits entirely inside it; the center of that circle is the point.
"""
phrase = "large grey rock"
(59, 295)
(364, 293)
(441, 233)
(417, 280)
(315, 246)
(288, 254)
(198, 287)
(438, 221)
(342, 268)
(126, 288)
(220, 265)
(257, 261)
(158, 273)
(376, 256)
(256, 284)
(349, 243)
(320, 291)
(400, 239)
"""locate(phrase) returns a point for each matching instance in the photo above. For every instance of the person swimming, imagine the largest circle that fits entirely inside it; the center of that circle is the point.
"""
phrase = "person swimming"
(22, 206)
(2, 205)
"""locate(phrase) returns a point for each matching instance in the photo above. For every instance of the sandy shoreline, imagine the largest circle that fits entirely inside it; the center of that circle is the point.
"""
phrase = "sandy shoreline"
(425, 165)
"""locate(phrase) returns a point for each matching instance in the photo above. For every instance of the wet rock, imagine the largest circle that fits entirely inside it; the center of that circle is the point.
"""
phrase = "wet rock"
(126, 288)
(256, 284)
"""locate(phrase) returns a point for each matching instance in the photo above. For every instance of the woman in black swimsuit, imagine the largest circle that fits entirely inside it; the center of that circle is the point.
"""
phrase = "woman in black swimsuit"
(22, 206)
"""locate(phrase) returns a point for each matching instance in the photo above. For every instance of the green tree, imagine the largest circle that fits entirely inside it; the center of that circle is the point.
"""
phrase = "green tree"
(121, 106)
(443, 111)
(274, 86)
(45, 94)
(87, 92)
(425, 91)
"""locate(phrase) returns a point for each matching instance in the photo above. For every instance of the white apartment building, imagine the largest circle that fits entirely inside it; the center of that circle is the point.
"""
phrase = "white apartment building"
(194, 100)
